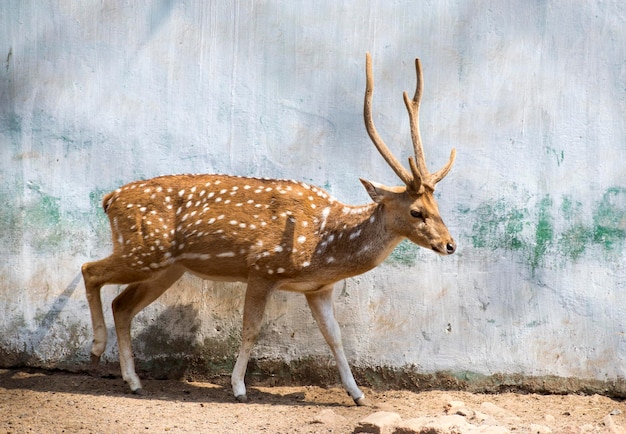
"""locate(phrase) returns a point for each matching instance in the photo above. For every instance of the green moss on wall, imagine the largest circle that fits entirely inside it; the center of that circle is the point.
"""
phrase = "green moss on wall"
(535, 234)
(609, 220)
(40, 221)
(498, 225)
(405, 254)
(544, 232)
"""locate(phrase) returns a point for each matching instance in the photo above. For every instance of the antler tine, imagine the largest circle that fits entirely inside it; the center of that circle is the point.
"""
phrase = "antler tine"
(402, 173)
(441, 173)
(413, 107)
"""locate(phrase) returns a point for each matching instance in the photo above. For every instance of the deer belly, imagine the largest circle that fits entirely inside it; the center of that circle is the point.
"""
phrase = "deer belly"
(221, 265)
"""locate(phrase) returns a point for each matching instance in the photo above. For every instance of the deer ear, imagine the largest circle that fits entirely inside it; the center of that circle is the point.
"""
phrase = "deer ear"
(376, 191)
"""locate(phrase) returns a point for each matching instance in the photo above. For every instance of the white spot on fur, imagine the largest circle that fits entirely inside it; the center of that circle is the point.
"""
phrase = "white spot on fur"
(226, 255)
(325, 214)
(355, 234)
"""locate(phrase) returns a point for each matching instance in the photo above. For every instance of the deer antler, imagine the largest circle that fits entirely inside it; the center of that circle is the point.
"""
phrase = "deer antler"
(413, 107)
(371, 129)
(419, 172)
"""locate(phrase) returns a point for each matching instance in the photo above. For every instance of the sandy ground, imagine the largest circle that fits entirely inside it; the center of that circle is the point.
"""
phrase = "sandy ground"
(57, 402)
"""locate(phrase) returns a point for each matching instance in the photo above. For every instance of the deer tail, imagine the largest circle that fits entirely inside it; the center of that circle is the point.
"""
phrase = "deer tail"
(107, 201)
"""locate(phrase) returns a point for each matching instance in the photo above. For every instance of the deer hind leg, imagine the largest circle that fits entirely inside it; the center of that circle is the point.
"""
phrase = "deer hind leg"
(126, 305)
(257, 294)
(322, 308)
(96, 275)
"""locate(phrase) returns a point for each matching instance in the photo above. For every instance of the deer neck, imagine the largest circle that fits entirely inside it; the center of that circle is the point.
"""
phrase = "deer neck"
(358, 237)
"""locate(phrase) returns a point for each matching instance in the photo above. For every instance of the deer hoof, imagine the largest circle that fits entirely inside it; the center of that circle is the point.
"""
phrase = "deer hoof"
(139, 392)
(241, 398)
(362, 401)
(95, 360)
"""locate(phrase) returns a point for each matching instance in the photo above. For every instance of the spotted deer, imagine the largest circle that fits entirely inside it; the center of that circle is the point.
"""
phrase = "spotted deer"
(273, 234)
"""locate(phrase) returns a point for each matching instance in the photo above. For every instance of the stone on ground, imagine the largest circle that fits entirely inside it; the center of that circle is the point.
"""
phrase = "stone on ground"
(381, 422)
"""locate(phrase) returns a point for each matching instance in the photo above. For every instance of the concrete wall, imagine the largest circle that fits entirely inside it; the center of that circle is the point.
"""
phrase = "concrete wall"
(532, 94)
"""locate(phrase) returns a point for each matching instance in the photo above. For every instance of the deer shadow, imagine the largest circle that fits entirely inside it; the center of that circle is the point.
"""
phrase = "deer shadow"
(81, 383)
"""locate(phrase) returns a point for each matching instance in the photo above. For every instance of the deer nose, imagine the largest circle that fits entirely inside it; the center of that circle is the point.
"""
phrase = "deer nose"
(450, 248)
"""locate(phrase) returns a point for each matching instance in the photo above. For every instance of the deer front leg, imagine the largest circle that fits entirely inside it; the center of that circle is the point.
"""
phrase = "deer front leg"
(321, 304)
(257, 294)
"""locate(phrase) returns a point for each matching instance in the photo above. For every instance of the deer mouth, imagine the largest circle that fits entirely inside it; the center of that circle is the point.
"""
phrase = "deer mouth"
(448, 249)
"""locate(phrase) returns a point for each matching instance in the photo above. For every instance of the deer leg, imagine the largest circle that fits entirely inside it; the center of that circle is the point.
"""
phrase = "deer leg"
(322, 308)
(92, 288)
(126, 305)
(95, 275)
(257, 294)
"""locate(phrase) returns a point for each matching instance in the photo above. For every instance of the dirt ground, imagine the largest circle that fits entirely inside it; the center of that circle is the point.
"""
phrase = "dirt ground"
(57, 402)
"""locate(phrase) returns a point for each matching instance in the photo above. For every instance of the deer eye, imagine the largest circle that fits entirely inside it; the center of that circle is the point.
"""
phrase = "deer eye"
(418, 215)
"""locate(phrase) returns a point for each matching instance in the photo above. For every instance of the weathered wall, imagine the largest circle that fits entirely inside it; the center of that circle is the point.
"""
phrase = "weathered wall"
(93, 95)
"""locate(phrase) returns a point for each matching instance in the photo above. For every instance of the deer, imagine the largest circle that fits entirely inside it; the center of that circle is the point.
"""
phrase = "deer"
(273, 234)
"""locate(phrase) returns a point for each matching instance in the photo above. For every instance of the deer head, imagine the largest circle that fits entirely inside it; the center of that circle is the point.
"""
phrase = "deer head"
(413, 206)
